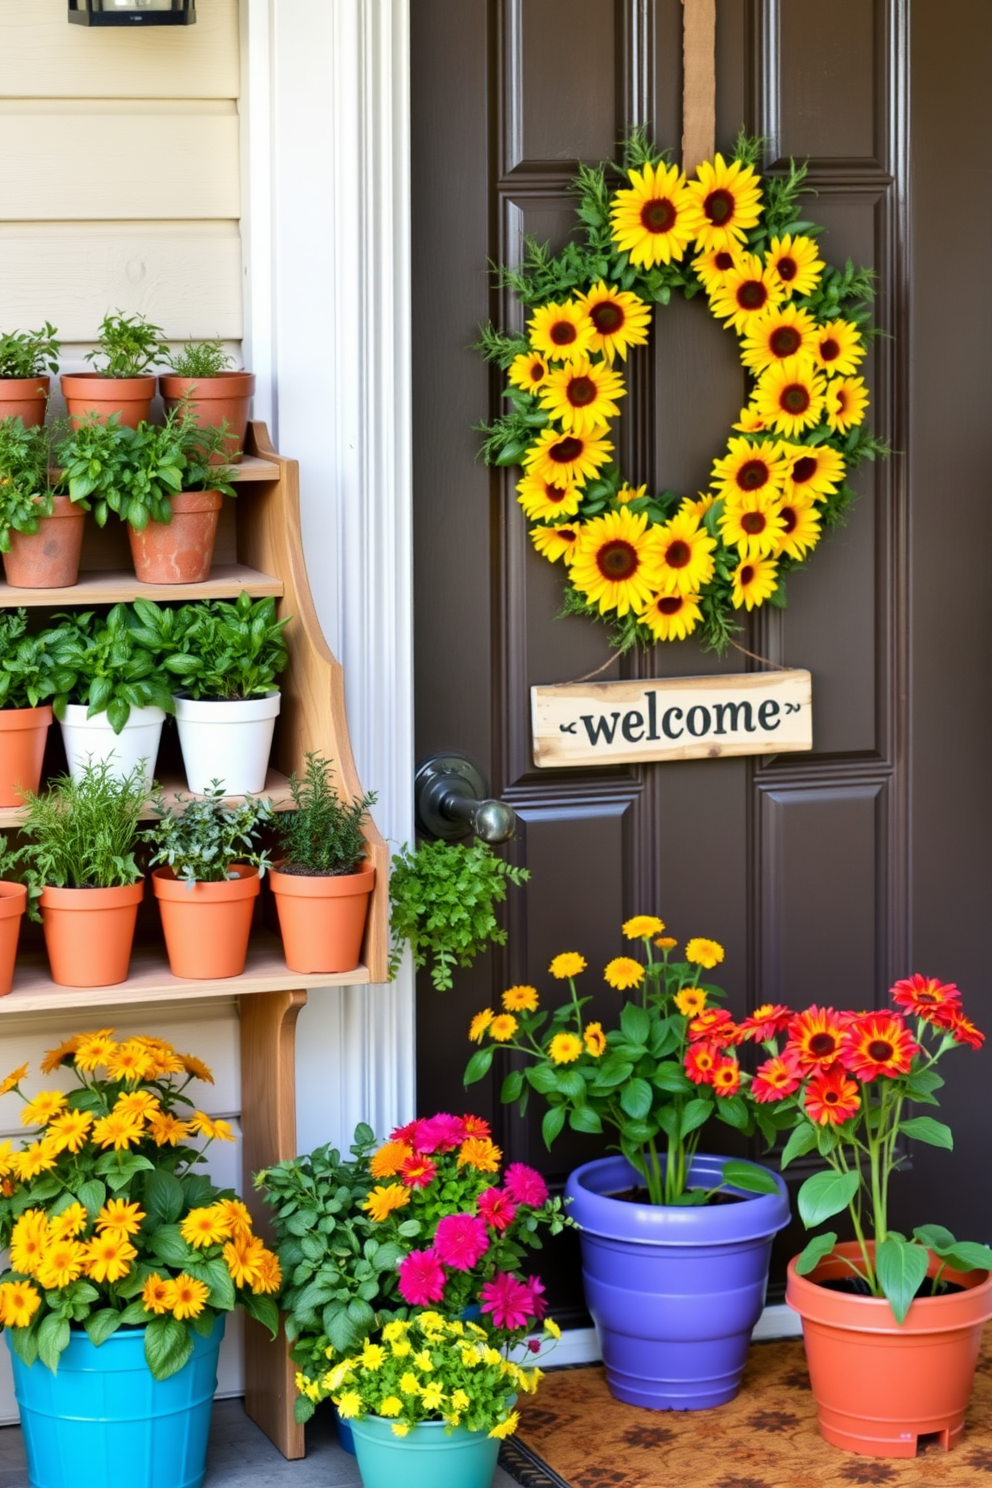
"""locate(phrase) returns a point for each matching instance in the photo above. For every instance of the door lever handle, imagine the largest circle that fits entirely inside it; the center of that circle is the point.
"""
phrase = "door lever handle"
(451, 801)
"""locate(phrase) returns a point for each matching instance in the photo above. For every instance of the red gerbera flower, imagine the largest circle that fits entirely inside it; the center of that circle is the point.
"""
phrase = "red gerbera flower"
(715, 1024)
(963, 1031)
(766, 1021)
(726, 1077)
(700, 1062)
(776, 1078)
(925, 997)
(475, 1126)
(815, 1037)
(831, 1098)
(497, 1208)
(418, 1172)
(878, 1044)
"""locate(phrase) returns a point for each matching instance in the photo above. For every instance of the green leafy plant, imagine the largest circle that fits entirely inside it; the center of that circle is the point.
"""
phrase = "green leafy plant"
(29, 353)
(201, 837)
(30, 668)
(25, 488)
(127, 345)
(82, 833)
(198, 359)
(112, 670)
(226, 649)
(323, 836)
(442, 901)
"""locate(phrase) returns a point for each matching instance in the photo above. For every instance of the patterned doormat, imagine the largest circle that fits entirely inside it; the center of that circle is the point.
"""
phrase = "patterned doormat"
(573, 1434)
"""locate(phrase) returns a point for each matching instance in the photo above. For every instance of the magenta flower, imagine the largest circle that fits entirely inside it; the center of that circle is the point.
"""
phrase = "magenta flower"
(461, 1240)
(509, 1301)
(418, 1171)
(497, 1208)
(525, 1185)
(441, 1133)
(535, 1286)
(421, 1278)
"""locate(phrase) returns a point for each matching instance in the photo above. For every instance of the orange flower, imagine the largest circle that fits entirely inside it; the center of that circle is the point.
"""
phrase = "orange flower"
(167, 1129)
(196, 1067)
(700, 1061)
(726, 1076)
(479, 1153)
(186, 1296)
(55, 1058)
(713, 1023)
(155, 1295)
(594, 1039)
(766, 1021)
(776, 1078)
(389, 1159)
(878, 1044)
(831, 1098)
(964, 1031)
(815, 1037)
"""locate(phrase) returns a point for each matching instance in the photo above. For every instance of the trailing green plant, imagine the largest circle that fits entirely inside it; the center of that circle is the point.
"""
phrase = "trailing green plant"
(82, 833)
(442, 901)
(226, 650)
(323, 836)
(127, 345)
(112, 670)
(201, 837)
(198, 359)
(31, 670)
(29, 353)
(26, 494)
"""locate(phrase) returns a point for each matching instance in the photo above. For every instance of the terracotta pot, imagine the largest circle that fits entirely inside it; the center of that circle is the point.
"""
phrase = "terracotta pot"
(91, 392)
(89, 933)
(212, 399)
(13, 903)
(880, 1386)
(23, 735)
(25, 398)
(206, 925)
(322, 919)
(48, 558)
(180, 551)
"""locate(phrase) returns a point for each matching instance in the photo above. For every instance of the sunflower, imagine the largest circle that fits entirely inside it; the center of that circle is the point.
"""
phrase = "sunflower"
(838, 347)
(789, 395)
(565, 1048)
(752, 522)
(703, 952)
(561, 332)
(68, 1132)
(627, 494)
(187, 1297)
(751, 466)
(745, 294)
(109, 1256)
(623, 972)
(685, 555)
(779, 332)
(476, 1029)
(61, 1265)
(729, 201)
(878, 1044)
(925, 997)
(691, 1001)
(204, 1226)
(19, 1301)
(55, 1058)
(621, 320)
(544, 501)
(528, 371)
(776, 1078)
(383, 1199)
(794, 265)
(557, 542)
(831, 1098)
(671, 617)
(816, 1036)
(847, 399)
(567, 964)
(582, 395)
(813, 470)
(520, 999)
(753, 581)
(568, 459)
(594, 1039)
(713, 266)
(802, 526)
(654, 219)
(726, 1077)
(642, 926)
(617, 562)
(698, 507)
(503, 1027)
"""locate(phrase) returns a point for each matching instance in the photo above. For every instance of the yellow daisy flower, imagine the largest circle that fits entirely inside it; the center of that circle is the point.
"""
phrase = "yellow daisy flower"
(794, 264)
(838, 347)
(690, 1001)
(752, 581)
(70, 1223)
(409, 1383)
(508, 1427)
(19, 1301)
(476, 1029)
(698, 507)
(268, 1273)
(623, 972)
(205, 1226)
(28, 1241)
(13, 1079)
(479, 1153)
(68, 1132)
(619, 318)
(390, 1405)
(729, 202)
(789, 395)
(395, 1330)
(703, 952)
(617, 563)
(847, 399)
(582, 395)
(155, 1294)
(520, 999)
(503, 1027)
(557, 542)
(61, 1265)
(167, 1129)
(778, 333)
(685, 554)
(814, 471)
(565, 1048)
(544, 501)
(528, 371)
(713, 266)
(215, 1130)
(118, 1130)
(349, 1404)
(55, 1058)
(641, 926)
(235, 1215)
(654, 219)
(94, 1048)
(36, 1158)
(385, 1198)
(561, 332)
(400, 1428)
(750, 421)
(568, 459)
(244, 1259)
(594, 1039)
(672, 617)
(109, 1256)
(373, 1356)
(137, 1103)
(119, 1215)
(746, 293)
(567, 964)
(187, 1297)
(130, 1061)
(802, 526)
(46, 1104)
(752, 522)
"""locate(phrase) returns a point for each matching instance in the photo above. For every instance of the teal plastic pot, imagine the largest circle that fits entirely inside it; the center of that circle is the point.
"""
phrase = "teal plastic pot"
(426, 1457)
(103, 1421)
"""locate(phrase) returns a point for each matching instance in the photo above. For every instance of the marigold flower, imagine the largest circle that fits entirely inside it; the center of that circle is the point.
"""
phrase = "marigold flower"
(479, 1153)
(666, 942)
(623, 972)
(568, 964)
(925, 997)
(389, 1159)
(205, 1226)
(119, 1215)
(384, 1199)
(479, 1024)
(815, 1037)
(765, 1022)
(831, 1098)
(642, 927)
(155, 1294)
(520, 999)
(690, 1001)
(594, 1039)
(461, 1240)
(876, 1045)
(565, 1048)
(187, 1296)
(421, 1280)
(708, 953)
(503, 1027)
(776, 1078)
(525, 1185)
(701, 1060)
(19, 1301)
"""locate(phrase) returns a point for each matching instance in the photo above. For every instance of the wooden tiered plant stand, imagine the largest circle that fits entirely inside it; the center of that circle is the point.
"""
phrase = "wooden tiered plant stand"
(259, 549)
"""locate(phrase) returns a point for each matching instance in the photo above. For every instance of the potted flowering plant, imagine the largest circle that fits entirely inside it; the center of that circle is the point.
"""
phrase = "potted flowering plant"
(892, 1322)
(124, 1261)
(656, 1079)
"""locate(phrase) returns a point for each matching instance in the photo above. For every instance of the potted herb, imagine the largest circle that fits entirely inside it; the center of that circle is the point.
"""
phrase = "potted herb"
(80, 840)
(125, 1259)
(172, 535)
(41, 533)
(30, 673)
(323, 880)
(13, 903)
(675, 1243)
(26, 359)
(127, 348)
(199, 380)
(208, 880)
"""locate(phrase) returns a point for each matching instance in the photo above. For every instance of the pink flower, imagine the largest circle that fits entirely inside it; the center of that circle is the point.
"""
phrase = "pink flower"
(509, 1301)
(461, 1240)
(535, 1286)
(404, 1133)
(534, 1344)
(421, 1278)
(418, 1172)
(525, 1185)
(497, 1208)
(441, 1133)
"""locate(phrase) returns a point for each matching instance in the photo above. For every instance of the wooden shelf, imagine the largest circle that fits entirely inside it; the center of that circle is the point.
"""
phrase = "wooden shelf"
(150, 980)
(254, 469)
(108, 586)
(276, 787)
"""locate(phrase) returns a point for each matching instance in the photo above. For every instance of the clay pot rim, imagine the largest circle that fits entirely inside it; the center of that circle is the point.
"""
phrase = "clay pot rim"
(854, 1314)
(53, 896)
(147, 380)
(25, 718)
(13, 899)
(322, 885)
(201, 385)
(12, 387)
(247, 885)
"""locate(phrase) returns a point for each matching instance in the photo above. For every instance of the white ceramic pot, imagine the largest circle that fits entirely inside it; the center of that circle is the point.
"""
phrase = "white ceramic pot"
(229, 742)
(92, 739)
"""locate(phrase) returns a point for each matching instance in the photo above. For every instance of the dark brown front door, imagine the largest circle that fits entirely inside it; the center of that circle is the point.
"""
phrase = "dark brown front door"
(825, 875)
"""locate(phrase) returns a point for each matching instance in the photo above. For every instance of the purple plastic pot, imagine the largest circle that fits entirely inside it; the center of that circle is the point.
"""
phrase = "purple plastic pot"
(674, 1291)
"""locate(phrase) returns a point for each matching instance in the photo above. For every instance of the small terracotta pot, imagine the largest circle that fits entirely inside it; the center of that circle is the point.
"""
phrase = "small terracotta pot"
(322, 919)
(13, 903)
(879, 1385)
(23, 735)
(180, 551)
(211, 400)
(25, 398)
(206, 925)
(48, 558)
(89, 933)
(91, 392)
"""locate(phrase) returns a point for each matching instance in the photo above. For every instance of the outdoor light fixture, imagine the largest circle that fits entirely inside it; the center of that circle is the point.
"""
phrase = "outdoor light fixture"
(132, 12)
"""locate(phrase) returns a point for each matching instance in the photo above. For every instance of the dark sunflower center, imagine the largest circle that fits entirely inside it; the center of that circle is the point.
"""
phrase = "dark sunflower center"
(746, 575)
(658, 215)
(719, 206)
(724, 261)
(670, 604)
(829, 349)
(752, 475)
(787, 268)
(536, 372)
(841, 401)
(795, 398)
(566, 533)
(830, 1097)
(752, 295)
(566, 450)
(617, 560)
(822, 1044)
(804, 469)
(753, 523)
(554, 493)
(928, 996)
(880, 1050)
(581, 392)
(788, 515)
(563, 333)
(678, 553)
(607, 317)
(785, 341)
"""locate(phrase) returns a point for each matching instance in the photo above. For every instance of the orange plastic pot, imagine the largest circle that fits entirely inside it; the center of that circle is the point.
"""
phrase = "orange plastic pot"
(48, 558)
(90, 392)
(25, 398)
(880, 1386)
(180, 551)
(211, 400)
(322, 919)
(89, 933)
(13, 903)
(23, 735)
(206, 925)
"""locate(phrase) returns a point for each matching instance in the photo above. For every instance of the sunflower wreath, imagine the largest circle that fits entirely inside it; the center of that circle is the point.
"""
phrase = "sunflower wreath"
(663, 567)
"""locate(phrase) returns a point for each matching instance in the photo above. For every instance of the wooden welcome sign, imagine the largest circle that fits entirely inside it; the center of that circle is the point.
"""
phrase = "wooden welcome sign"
(607, 723)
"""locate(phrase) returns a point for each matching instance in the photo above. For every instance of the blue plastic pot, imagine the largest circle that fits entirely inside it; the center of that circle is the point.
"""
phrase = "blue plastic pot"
(674, 1290)
(427, 1457)
(103, 1421)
